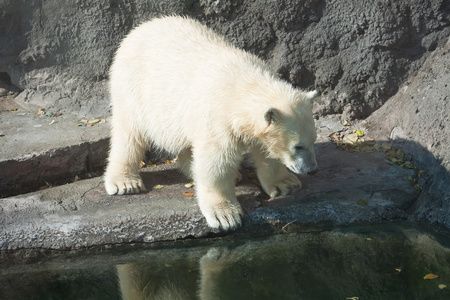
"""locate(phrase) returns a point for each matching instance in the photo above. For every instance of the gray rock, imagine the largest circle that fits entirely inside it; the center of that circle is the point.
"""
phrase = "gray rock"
(355, 53)
(418, 119)
(358, 54)
(350, 188)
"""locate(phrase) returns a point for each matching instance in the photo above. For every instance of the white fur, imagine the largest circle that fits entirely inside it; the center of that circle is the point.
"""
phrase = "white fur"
(177, 85)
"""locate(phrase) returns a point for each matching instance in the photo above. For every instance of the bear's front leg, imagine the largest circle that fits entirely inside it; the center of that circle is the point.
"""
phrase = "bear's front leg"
(122, 173)
(214, 178)
(274, 177)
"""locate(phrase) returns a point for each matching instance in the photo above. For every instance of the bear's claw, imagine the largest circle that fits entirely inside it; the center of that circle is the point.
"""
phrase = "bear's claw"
(124, 187)
(225, 218)
(285, 186)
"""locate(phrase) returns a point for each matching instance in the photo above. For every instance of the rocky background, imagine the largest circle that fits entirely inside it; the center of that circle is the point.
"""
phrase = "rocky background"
(386, 60)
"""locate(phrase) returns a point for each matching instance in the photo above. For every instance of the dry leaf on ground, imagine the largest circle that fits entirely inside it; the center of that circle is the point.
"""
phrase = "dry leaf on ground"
(188, 194)
(430, 276)
(362, 202)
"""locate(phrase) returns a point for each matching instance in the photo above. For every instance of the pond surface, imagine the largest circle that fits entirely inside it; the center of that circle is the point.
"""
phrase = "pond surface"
(375, 262)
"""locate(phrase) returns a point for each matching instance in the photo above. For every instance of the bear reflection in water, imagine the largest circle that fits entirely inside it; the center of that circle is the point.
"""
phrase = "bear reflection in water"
(213, 278)
(321, 265)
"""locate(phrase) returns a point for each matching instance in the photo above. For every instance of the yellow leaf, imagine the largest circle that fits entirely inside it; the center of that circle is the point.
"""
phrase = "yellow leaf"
(142, 164)
(442, 286)
(158, 187)
(95, 121)
(398, 270)
(430, 276)
(362, 202)
(189, 185)
(14, 109)
(359, 132)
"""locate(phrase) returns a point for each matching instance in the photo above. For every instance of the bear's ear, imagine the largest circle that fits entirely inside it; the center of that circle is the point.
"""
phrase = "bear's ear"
(272, 115)
(311, 96)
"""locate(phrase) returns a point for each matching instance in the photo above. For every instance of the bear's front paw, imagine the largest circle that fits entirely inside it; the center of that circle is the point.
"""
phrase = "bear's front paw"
(227, 216)
(124, 185)
(287, 185)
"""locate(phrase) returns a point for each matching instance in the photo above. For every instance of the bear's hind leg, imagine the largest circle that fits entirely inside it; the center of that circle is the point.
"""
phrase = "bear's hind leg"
(122, 173)
(185, 161)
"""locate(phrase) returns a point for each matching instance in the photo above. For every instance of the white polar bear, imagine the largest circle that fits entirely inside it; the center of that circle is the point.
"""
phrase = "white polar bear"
(178, 86)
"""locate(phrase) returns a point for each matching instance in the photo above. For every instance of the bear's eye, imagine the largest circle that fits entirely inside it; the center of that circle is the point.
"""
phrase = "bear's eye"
(299, 148)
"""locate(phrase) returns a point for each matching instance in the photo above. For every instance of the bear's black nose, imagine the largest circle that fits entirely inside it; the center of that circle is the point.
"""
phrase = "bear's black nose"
(313, 171)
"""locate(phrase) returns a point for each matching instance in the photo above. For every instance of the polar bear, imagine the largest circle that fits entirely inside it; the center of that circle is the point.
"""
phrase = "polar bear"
(178, 86)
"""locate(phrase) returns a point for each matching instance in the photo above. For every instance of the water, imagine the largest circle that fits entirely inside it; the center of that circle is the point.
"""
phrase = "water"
(374, 262)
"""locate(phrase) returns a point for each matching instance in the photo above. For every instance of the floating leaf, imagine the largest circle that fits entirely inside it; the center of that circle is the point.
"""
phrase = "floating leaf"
(368, 239)
(430, 276)
(158, 187)
(442, 286)
(362, 202)
(359, 132)
(398, 269)
(188, 194)
(52, 122)
(189, 185)
(94, 121)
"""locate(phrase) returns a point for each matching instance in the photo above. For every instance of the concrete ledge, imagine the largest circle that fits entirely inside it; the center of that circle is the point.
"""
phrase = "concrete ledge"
(37, 149)
(350, 188)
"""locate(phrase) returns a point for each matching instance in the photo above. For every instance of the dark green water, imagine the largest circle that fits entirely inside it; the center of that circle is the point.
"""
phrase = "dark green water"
(375, 262)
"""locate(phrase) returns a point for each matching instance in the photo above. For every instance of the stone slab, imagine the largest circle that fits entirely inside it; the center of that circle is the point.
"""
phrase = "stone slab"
(81, 214)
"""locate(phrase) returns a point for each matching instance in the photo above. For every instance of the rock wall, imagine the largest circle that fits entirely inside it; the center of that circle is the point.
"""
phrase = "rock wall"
(417, 120)
(356, 53)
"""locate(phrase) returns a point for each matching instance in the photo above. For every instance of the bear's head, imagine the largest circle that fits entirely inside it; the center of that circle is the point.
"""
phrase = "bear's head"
(290, 134)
